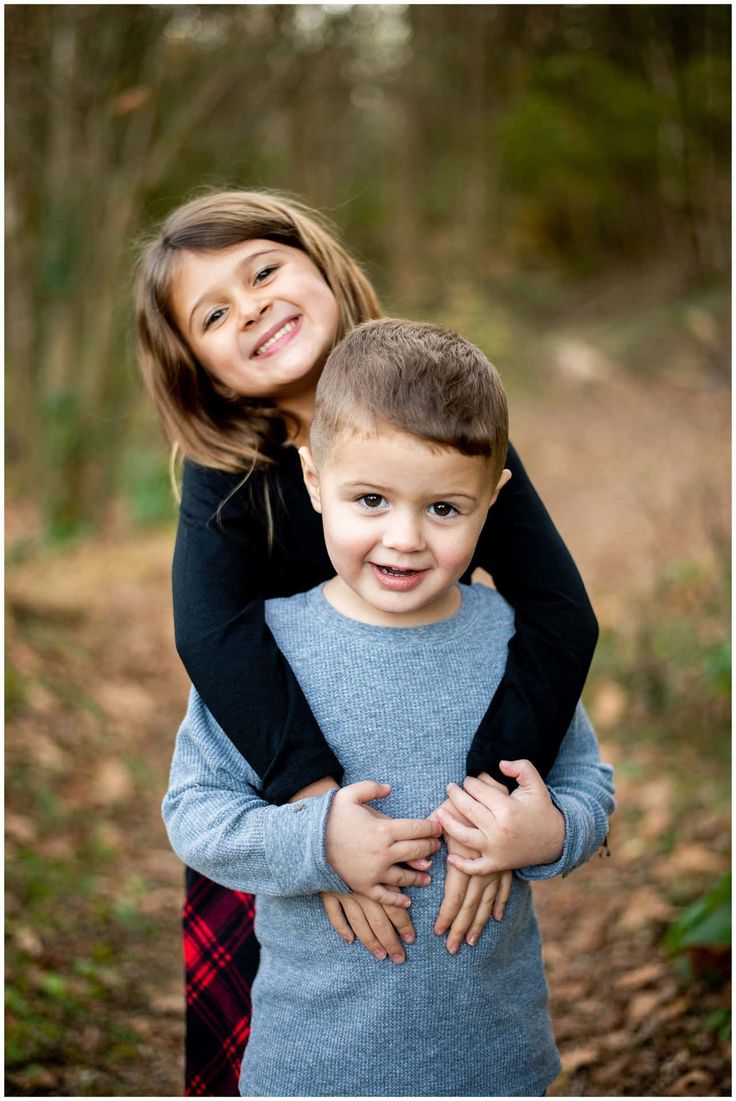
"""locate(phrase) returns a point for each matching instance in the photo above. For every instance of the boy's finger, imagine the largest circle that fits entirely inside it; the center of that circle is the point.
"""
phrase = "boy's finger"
(410, 829)
(385, 933)
(524, 772)
(464, 834)
(488, 779)
(471, 807)
(396, 876)
(490, 797)
(388, 896)
(481, 865)
(401, 852)
(464, 918)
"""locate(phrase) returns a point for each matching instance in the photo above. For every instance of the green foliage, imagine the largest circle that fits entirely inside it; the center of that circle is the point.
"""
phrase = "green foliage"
(706, 923)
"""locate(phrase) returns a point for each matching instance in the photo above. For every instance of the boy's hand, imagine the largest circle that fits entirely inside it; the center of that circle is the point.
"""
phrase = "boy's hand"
(377, 927)
(509, 831)
(367, 848)
(469, 900)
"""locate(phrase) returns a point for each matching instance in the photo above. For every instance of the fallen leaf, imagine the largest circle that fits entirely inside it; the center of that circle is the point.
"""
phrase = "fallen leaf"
(578, 1057)
(696, 1083)
(112, 783)
(642, 1005)
(644, 905)
(641, 976)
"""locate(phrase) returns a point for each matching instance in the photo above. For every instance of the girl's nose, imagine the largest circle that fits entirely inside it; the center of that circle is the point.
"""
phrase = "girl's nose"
(250, 309)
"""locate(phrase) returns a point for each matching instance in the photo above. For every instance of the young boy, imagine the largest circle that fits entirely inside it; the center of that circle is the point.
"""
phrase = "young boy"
(407, 450)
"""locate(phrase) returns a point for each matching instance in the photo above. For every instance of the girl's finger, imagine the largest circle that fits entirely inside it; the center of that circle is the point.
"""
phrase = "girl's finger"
(488, 779)
(465, 915)
(456, 883)
(492, 799)
(387, 896)
(362, 928)
(385, 932)
(337, 918)
(396, 876)
(480, 920)
(402, 923)
(502, 895)
(410, 829)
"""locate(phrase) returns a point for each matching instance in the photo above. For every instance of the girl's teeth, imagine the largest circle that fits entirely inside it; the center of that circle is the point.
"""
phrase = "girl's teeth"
(276, 336)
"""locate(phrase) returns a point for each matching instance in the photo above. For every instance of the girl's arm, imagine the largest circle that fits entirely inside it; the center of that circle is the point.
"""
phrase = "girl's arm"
(225, 644)
(556, 632)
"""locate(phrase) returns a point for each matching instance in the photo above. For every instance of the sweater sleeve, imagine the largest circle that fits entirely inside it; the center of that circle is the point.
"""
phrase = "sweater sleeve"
(220, 825)
(556, 631)
(581, 786)
(225, 644)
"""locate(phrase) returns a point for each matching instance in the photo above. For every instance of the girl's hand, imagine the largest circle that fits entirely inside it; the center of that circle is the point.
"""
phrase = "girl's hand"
(469, 900)
(377, 927)
(367, 849)
(509, 831)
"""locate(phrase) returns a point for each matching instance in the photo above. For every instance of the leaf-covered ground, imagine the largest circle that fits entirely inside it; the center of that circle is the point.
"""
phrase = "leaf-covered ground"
(636, 479)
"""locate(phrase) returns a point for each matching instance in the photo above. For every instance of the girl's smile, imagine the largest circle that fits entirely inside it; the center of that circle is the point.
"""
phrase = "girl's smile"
(258, 316)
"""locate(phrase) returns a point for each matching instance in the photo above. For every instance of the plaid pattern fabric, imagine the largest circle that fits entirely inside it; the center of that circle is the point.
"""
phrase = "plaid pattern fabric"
(220, 962)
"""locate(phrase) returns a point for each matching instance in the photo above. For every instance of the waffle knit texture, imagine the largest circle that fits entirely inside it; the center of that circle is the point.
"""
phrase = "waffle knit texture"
(328, 1018)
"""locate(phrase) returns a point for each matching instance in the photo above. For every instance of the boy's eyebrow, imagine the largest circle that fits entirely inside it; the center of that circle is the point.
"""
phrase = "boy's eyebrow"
(245, 261)
(387, 489)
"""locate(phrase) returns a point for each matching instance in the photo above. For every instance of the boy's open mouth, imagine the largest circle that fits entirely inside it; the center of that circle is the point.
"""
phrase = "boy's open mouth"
(391, 572)
(389, 577)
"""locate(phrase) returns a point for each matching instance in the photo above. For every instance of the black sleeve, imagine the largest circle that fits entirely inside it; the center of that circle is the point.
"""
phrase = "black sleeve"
(556, 631)
(226, 646)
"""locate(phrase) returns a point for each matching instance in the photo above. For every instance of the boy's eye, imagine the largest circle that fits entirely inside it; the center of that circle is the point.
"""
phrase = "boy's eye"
(212, 317)
(441, 508)
(372, 501)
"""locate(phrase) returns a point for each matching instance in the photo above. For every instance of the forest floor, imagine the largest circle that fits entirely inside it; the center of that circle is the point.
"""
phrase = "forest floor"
(636, 477)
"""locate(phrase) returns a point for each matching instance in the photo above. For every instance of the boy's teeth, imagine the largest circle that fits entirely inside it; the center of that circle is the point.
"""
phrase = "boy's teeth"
(276, 336)
(395, 573)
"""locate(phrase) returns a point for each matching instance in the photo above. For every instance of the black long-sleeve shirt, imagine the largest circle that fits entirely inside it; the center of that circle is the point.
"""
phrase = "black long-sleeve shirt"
(224, 570)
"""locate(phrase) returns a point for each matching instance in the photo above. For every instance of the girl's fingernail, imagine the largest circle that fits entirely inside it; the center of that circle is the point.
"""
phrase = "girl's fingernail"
(398, 959)
(452, 948)
(408, 938)
(380, 954)
(440, 930)
(473, 939)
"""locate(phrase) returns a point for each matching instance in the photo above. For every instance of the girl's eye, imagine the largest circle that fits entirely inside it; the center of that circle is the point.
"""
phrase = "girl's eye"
(372, 501)
(441, 508)
(263, 273)
(211, 318)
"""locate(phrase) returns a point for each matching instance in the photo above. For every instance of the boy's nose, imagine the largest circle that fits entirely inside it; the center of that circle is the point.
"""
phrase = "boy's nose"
(404, 533)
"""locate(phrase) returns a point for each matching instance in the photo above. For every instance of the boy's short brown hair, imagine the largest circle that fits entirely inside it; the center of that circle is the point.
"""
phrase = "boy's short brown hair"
(418, 377)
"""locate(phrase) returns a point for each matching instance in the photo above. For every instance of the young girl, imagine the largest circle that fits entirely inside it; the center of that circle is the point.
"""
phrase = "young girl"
(240, 297)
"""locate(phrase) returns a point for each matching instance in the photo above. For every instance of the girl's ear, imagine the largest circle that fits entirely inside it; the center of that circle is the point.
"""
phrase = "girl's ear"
(505, 476)
(311, 477)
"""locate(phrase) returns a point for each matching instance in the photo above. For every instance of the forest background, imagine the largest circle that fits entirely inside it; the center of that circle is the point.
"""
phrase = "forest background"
(554, 182)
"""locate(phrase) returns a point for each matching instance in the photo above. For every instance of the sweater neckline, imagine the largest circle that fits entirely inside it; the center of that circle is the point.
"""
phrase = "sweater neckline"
(464, 619)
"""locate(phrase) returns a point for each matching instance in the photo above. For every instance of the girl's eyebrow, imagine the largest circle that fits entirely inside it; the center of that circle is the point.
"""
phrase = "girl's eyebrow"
(241, 266)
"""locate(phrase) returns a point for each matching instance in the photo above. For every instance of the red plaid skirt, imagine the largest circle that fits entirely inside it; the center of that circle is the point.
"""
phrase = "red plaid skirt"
(220, 962)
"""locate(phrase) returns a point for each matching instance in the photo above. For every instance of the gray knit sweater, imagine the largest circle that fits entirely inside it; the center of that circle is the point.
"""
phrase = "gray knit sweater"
(398, 705)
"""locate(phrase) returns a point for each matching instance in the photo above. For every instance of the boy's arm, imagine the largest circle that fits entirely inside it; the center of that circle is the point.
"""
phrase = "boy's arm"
(219, 825)
(539, 830)
(581, 787)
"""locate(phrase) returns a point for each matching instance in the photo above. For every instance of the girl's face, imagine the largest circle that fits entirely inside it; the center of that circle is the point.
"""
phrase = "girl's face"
(258, 316)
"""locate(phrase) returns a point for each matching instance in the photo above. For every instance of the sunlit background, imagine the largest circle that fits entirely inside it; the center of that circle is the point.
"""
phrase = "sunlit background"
(554, 182)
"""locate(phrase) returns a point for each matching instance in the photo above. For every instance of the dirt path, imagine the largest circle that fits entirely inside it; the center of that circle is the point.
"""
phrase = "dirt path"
(97, 696)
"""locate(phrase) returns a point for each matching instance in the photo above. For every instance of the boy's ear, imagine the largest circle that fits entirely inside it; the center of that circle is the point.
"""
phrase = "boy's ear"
(311, 477)
(505, 476)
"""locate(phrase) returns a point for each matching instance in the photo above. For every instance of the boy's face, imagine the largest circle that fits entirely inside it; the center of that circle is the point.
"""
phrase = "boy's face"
(401, 520)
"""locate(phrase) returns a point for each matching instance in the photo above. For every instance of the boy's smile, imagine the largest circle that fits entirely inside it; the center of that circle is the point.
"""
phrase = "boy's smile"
(401, 520)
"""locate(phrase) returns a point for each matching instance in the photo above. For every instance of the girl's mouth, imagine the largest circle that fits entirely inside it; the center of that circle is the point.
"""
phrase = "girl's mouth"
(278, 337)
(396, 580)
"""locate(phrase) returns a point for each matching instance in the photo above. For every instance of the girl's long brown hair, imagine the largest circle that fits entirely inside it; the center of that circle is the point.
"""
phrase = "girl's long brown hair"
(202, 424)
